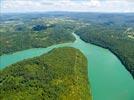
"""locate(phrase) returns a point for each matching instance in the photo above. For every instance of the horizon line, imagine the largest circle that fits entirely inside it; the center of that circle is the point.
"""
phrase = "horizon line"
(63, 11)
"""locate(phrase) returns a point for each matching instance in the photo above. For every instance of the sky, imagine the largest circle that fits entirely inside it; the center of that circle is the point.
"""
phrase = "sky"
(7, 6)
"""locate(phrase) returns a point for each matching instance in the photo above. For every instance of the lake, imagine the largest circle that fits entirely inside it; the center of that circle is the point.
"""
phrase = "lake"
(109, 80)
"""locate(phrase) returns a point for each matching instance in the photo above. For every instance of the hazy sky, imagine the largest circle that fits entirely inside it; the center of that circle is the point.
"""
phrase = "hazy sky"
(67, 5)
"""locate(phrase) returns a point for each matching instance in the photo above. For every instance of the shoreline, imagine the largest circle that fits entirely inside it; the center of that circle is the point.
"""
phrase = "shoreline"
(10, 53)
(112, 51)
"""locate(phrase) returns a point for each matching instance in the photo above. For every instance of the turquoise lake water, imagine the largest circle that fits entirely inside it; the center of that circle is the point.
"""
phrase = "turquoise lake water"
(109, 80)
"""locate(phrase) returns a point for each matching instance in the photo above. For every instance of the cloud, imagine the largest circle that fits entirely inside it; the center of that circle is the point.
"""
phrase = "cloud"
(67, 5)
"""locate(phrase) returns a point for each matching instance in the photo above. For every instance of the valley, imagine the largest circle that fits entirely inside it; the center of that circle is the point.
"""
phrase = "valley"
(49, 55)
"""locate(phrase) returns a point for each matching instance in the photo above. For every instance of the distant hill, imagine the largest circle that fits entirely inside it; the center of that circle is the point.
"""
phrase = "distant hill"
(17, 35)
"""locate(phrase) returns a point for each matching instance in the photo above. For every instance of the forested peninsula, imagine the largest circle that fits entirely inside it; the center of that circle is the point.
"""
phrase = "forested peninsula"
(61, 74)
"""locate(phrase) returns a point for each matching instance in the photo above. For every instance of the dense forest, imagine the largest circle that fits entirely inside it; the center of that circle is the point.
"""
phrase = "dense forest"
(118, 39)
(18, 34)
(52, 76)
